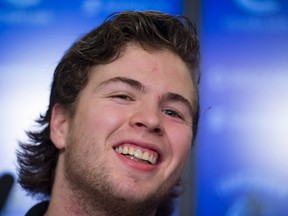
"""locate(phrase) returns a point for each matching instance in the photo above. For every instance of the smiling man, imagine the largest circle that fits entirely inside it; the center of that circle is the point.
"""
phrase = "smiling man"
(122, 116)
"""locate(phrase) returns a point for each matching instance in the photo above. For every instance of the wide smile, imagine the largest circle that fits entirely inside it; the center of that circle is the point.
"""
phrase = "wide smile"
(138, 155)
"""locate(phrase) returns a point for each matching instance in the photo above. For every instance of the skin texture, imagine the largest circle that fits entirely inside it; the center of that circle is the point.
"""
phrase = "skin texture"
(142, 99)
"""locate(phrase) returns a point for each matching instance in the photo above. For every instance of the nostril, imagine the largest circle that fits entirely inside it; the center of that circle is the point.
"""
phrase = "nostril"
(157, 130)
(139, 124)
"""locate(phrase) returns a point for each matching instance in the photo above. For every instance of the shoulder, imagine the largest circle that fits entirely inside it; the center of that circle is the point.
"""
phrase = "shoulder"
(38, 209)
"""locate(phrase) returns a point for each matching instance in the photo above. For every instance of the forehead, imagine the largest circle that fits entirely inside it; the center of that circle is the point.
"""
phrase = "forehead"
(160, 70)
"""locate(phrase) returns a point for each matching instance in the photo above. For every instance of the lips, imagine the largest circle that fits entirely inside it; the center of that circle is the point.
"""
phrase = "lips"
(138, 153)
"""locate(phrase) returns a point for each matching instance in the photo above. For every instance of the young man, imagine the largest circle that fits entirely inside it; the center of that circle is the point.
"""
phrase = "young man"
(122, 116)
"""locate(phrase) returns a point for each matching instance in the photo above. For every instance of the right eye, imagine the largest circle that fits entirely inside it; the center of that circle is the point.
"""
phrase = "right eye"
(121, 96)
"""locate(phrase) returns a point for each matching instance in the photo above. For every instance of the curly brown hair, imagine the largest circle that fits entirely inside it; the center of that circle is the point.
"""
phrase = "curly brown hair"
(153, 30)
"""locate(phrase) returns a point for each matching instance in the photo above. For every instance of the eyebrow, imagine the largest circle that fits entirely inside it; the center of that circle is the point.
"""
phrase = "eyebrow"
(170, 96)
(130, 82)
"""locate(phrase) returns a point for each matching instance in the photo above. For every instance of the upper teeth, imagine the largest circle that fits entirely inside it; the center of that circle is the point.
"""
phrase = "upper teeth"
(137, 153)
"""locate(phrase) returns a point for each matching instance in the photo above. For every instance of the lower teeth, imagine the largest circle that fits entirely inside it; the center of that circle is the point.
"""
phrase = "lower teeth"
(136, 159)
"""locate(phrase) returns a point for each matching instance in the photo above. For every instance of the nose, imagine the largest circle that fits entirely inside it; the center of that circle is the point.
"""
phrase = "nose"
(147, 119)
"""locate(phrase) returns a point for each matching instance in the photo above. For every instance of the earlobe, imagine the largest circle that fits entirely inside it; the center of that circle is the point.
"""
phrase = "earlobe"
(58, 126)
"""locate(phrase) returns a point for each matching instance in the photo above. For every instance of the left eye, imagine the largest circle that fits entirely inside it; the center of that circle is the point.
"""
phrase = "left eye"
(173, 113)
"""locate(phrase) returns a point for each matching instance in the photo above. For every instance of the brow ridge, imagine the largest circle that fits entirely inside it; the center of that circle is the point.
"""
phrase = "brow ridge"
(130, 82)
(171, 96)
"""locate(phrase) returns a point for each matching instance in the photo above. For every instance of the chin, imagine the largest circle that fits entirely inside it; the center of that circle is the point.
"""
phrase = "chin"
(133, 192)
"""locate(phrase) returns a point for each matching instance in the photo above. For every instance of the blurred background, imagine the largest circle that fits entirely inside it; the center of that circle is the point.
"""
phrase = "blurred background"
(239, 163)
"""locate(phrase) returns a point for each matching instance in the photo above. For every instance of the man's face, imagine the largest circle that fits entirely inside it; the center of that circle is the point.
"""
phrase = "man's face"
(132, 129)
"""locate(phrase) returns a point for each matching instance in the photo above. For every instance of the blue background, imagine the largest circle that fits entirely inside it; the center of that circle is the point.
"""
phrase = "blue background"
(242, 148)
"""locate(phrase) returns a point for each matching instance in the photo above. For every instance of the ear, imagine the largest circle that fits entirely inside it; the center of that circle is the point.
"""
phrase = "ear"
(59, 126)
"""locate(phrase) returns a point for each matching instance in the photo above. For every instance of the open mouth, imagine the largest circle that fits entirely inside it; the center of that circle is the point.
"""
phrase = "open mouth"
(138, 154)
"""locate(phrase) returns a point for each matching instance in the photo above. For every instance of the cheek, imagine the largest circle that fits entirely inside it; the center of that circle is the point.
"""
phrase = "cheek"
(180, 144)
(103, 119)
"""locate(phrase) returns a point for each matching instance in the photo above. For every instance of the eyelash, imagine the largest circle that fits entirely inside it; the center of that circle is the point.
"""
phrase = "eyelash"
(178, 116)
(175, 113)
(122, 97)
